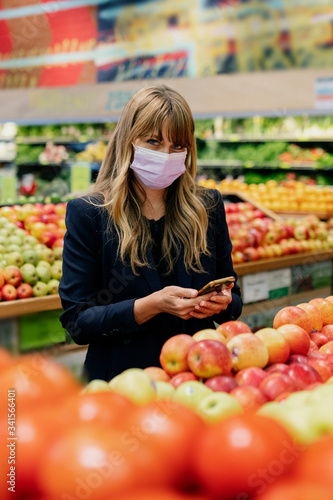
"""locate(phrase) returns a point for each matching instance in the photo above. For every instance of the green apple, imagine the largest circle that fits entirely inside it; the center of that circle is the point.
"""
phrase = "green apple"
(58, 253)
(96, 385)
(29, 273)
(14, 240)
(164, 390)
(191, 393)
(14, 259)
(10, 227)
(3, 240)
(4, 232)
(219, 405)
(53, 286)
(13, 248)
(43, 273)
(3, 248)
(30, 256)
(30, 240)
(298, 399)
(47, 255)
(20, 233)
(40, 289)
(135, 384)
(43, 263)
(3, 221)
(56, 272)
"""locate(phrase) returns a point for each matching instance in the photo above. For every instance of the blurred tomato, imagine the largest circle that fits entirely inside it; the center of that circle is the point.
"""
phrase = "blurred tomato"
(37, 380)
(172, 430)
(36, 431)
(159, 494)
(294, 490)
(107, 408)
(315, 464)
(96, 462)
(235, 456)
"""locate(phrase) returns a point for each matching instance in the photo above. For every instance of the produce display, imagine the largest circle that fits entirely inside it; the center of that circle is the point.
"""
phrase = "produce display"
(31, 242)
(229, 414)
(255, 236)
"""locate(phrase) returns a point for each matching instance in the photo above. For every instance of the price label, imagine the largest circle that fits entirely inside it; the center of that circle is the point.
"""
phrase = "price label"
(80, 177)
(8, 189)
(255, 288)
(279, 283)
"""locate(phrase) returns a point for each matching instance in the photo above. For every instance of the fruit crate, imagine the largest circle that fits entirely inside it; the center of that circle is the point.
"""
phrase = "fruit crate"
(237, 196)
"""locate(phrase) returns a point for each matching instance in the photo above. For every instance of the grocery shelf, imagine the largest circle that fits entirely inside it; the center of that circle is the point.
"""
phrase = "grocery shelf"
(255, 138)
(21, 307)
(262, 265)
(60, 140)
(239, 196)
(202, 163)
(303, 213)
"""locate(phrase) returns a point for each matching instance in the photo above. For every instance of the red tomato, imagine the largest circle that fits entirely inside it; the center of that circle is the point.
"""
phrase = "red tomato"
(96, 462)
(107, 408)
(315, 464)
(171, 429)
(37, 380)
(233, 457)
(36, 431)
(159, 494)
(294, 490)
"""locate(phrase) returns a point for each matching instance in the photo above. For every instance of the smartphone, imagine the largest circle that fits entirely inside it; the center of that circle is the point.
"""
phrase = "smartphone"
(216, 285)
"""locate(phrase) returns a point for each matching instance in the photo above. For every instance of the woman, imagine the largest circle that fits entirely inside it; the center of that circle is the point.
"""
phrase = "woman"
(138, 249)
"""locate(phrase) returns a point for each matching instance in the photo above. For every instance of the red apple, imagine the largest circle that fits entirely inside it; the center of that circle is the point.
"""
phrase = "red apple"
(24, 291)
(297, 358)
(47, 238)
(297, 338)
(278, 368)
(208, 358)
(8, 292)
(277, 345)
(276, 384)
(293, 315)
(2, 279)
(327, 348)
(232, 328)
(247, 350)
(313, 347)
(328, 331)
(326, 309)
(303, 375)
(221, 383)
(12, 275)
(157, 373)
(319, 338)
(251, 376)
(182, 377)
(251, 398)
(323, 367)
(314, 313)
(173, 357)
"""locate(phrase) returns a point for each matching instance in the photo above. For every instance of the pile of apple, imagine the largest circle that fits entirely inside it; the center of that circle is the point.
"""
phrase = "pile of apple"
(46, 222)
(27, 268)
(230, 370)
(255, 236)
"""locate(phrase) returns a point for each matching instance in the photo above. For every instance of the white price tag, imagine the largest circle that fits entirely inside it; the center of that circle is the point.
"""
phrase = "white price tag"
(280, 278)
(255, 287)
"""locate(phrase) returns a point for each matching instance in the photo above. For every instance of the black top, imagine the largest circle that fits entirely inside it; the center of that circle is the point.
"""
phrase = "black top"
(157, 232)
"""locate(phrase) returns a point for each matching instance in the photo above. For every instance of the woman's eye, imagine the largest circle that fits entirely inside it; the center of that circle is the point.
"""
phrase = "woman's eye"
(178, 147)
(153, 142)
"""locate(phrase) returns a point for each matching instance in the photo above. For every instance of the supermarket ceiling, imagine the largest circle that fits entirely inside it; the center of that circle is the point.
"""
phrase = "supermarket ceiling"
(114, 47)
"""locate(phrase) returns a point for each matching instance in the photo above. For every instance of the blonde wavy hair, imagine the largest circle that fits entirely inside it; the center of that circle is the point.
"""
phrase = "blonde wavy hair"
(186, 220)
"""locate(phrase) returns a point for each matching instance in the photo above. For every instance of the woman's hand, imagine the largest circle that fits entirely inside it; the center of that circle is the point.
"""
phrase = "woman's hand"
(212, 304)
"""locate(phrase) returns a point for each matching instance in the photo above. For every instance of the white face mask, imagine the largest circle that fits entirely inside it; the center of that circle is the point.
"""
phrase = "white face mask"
(157, 170)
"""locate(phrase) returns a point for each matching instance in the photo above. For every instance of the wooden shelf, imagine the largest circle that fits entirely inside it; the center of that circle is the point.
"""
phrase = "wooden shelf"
(21, 307)
(300, 213)
(244, 197)
(262, 265)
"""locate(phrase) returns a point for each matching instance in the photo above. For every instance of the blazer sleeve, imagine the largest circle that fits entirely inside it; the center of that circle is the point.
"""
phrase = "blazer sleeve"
(224, 265)
(81, 286)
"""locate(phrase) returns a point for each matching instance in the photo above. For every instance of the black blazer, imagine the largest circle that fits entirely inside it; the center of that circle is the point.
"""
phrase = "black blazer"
(98, 292)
